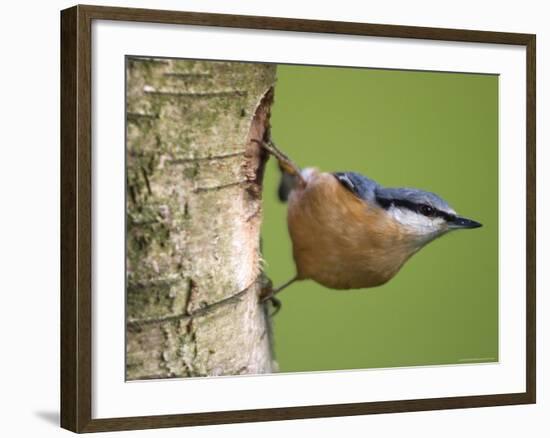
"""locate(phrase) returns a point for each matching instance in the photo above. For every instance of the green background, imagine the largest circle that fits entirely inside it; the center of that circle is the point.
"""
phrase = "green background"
(430, 130)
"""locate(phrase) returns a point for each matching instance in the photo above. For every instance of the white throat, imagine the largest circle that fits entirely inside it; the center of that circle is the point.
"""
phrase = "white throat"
(424, 227)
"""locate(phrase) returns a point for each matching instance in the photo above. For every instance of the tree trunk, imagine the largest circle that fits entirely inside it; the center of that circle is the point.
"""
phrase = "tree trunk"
(193, 218)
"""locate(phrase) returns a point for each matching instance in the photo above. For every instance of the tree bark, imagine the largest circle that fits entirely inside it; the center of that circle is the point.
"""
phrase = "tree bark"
(193, 218)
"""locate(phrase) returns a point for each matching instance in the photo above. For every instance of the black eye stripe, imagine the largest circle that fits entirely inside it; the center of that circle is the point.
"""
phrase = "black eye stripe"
(387, 203)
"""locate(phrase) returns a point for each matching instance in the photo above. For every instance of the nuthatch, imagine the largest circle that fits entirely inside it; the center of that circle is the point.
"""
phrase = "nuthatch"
(349, 232)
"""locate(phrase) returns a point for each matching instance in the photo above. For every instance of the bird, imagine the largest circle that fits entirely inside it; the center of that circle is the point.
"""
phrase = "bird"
(350, 232)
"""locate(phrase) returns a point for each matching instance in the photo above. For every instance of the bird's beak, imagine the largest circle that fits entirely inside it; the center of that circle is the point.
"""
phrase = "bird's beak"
(462, 222)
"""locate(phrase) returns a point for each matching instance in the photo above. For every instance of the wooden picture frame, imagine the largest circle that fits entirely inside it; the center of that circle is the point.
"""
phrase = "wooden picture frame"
(76, 218)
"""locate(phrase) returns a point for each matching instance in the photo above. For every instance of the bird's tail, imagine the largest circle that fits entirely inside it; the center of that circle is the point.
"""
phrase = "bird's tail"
(291, 175)
(286, 184)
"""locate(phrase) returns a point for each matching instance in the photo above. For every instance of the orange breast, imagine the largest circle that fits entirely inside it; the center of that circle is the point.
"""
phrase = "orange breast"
(339, 240)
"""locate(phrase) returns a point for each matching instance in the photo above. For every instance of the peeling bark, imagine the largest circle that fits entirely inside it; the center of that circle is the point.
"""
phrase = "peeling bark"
(193, 218)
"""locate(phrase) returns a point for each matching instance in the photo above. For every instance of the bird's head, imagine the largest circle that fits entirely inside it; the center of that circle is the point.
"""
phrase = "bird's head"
(423, 215)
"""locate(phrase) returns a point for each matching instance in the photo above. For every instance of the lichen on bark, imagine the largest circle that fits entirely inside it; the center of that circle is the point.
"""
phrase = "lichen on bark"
(193, 218)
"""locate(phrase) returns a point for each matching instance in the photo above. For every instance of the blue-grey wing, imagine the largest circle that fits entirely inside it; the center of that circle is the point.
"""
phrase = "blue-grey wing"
(361, 186)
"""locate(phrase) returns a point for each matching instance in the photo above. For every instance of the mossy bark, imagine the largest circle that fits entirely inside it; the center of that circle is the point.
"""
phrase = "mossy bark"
(193, 218)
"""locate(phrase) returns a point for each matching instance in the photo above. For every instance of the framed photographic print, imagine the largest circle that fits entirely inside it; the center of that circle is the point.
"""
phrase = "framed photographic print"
(268, 218)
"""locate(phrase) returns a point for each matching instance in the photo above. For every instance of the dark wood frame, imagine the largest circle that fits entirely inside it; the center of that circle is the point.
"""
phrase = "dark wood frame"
(76, 244)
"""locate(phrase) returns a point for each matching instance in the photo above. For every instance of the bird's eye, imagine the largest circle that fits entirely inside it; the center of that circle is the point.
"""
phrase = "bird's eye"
(426, 210)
